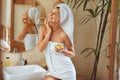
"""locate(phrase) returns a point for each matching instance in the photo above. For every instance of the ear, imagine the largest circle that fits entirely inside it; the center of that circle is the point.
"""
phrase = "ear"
(30, 21)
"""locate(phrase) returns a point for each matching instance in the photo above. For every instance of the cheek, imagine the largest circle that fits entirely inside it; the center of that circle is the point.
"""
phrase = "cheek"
(29, 21)
(57, 19)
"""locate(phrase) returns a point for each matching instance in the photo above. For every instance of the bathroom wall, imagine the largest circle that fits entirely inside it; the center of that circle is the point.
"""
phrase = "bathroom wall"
(33, 56)
(6, 10)
(3, 14)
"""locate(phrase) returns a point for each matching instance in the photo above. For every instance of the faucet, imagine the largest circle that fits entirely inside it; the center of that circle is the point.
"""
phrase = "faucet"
(22, 61)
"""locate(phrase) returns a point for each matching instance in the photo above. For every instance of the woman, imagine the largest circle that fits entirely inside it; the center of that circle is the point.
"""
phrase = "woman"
(56, 38)
(30, 31)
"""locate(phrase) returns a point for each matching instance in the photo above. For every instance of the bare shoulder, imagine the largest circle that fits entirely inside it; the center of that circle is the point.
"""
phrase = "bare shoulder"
(65, 36)
(63, 33)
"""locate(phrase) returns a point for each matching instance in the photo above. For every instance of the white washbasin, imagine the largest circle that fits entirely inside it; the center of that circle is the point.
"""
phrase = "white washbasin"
(28, 72)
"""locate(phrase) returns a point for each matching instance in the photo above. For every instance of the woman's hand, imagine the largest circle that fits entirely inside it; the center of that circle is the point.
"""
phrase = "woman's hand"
(70, 52)
(48, 26)
(65, 52)
(58, 48)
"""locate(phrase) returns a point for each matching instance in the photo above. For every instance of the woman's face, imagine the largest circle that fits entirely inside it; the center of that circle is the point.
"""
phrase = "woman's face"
(54, 16)
(26, 19)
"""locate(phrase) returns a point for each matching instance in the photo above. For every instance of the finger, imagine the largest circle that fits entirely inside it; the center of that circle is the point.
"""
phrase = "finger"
(45, 21)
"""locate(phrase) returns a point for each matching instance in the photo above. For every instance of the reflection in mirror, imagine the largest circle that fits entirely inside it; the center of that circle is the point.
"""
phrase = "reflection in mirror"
(31, 27)
(26, 23)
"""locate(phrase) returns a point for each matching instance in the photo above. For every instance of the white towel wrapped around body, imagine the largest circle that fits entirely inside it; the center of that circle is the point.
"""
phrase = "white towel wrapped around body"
(59, 65)
(30, 41)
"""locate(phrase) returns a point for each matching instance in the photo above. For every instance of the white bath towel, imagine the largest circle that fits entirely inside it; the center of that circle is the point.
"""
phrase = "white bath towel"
(66, 20)
(30, 41)
(4, 45)
(34, 14)
(59, 65)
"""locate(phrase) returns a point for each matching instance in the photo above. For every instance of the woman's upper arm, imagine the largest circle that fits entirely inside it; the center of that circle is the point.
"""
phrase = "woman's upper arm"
(41, 34)
(69, 44)
(70, 52)
(23, 33)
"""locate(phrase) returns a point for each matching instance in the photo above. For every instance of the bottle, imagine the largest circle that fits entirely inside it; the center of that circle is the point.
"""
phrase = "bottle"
(25, 62)
(15, 50)
(7, 62)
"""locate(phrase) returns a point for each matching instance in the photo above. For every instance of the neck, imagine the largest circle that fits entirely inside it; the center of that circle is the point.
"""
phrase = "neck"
(31, 25)
(55, 27)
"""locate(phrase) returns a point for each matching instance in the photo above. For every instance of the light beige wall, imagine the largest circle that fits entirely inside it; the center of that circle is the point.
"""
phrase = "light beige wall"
(3, 14)
(46, 4)
(85, 37)
(6, 12)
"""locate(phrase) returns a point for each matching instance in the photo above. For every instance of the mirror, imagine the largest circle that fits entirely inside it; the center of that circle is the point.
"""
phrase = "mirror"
(19, 8)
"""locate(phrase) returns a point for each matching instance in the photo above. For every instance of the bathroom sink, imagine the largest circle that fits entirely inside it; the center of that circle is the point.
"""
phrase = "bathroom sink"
(28, 72)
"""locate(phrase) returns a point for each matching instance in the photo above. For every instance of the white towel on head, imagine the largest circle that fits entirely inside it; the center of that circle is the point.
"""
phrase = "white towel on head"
(33, 13)
(66, 20)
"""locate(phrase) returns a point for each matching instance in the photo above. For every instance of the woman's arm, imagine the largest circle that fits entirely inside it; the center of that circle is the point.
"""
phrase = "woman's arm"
(70, 52)
(45, 33)
(24, 32)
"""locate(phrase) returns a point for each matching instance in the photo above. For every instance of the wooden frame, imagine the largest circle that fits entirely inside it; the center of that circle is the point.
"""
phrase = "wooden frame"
(24, 2)
(2, 27)
(113, 28)
(0, 11)
(13, 43)
(12, 25)
(0, 21)
(1, 35)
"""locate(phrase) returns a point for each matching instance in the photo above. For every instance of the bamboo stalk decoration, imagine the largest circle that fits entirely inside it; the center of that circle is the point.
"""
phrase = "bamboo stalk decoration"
(100, 40)
(102, 10)
(102, 26)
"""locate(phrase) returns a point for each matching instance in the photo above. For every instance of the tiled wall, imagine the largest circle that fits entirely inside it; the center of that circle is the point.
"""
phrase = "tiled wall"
(33, 56)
